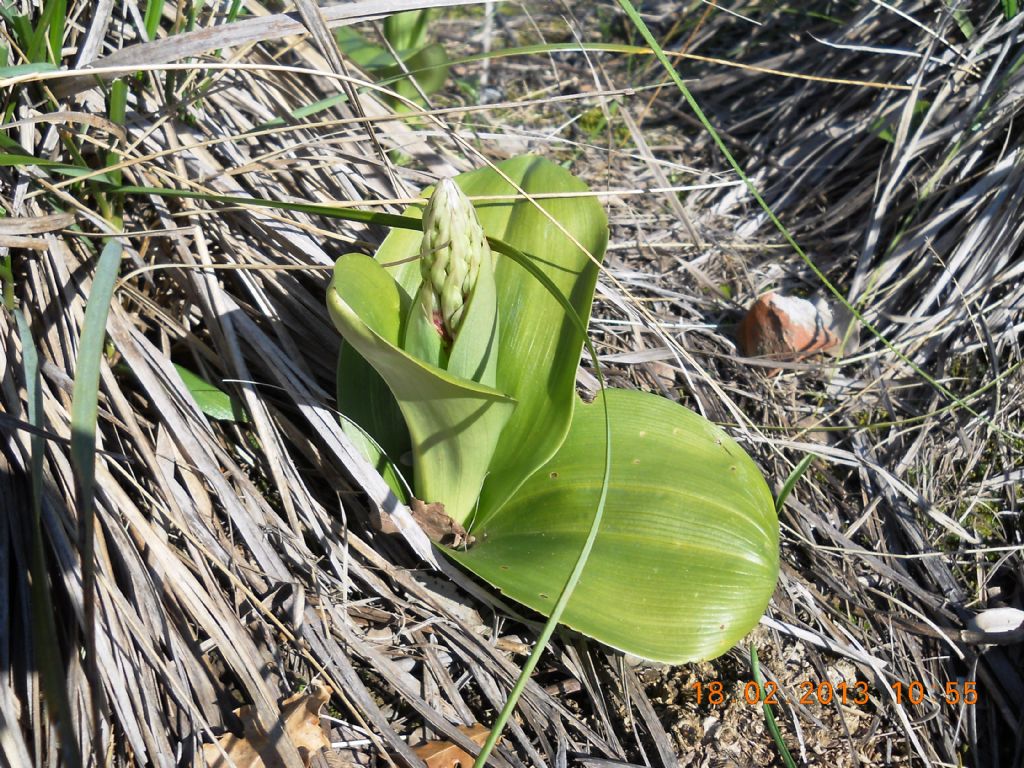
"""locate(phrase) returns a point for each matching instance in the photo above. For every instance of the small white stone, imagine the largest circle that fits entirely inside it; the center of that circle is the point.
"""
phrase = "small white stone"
(997, 621)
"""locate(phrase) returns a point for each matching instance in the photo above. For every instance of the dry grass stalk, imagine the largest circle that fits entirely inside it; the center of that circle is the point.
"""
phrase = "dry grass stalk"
(234, 560)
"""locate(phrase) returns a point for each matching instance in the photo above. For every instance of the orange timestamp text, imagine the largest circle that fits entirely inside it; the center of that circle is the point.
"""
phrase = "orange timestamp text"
(858, 693)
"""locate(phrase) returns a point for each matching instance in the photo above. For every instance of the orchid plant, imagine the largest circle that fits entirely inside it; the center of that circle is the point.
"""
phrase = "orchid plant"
(457, 378)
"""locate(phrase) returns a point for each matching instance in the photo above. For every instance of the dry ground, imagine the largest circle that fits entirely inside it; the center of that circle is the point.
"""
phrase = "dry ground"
(235, 562)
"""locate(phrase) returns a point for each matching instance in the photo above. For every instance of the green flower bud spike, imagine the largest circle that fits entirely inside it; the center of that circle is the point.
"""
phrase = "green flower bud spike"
(452, 249)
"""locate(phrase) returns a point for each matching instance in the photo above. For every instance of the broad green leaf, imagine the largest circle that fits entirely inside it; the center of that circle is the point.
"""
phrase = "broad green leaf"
(540, 345)
(369, 408)
(453, 423)
(429, 65)
(212, 401)
(365, 399)
(406, 31)
(687, 554)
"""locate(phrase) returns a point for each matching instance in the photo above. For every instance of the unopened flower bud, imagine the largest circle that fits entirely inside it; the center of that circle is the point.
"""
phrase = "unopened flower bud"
(451, 251)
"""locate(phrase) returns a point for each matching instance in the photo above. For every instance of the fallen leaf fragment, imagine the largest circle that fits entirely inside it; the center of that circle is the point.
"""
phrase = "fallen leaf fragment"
(242, 751)
(438, 526)
(300, 719)
(445, 754)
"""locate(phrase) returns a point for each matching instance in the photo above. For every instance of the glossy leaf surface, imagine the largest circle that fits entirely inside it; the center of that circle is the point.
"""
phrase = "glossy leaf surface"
(687, 554)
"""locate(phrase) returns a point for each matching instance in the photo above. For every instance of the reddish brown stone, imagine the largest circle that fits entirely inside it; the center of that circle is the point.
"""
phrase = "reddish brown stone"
(785, 328)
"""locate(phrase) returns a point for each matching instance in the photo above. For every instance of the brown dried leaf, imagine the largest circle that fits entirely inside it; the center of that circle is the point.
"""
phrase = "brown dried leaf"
(300, 719)
(241, 751)
(444, 754)
(439, 528)
(301, 715)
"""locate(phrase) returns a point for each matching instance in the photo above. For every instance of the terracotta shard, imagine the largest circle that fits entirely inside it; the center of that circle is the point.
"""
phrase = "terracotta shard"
(791, 328)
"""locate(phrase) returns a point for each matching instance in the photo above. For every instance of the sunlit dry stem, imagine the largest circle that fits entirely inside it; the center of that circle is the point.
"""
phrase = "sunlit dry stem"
(451, 252)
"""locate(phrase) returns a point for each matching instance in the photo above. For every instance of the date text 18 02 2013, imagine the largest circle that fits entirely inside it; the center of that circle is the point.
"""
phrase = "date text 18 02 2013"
(859, 693)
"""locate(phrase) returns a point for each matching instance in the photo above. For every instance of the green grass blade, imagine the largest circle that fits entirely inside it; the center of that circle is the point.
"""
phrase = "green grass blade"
(19, 26)
(117, 107)
(32, 39)
(57, 10)
(194, 10)
(44, 628)
(769, 716)
(84, 413)
(151, 21)
(792, 480)
(27, 69)
(7, 282)
(233, 11)
(43, 43)
(317, 209)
